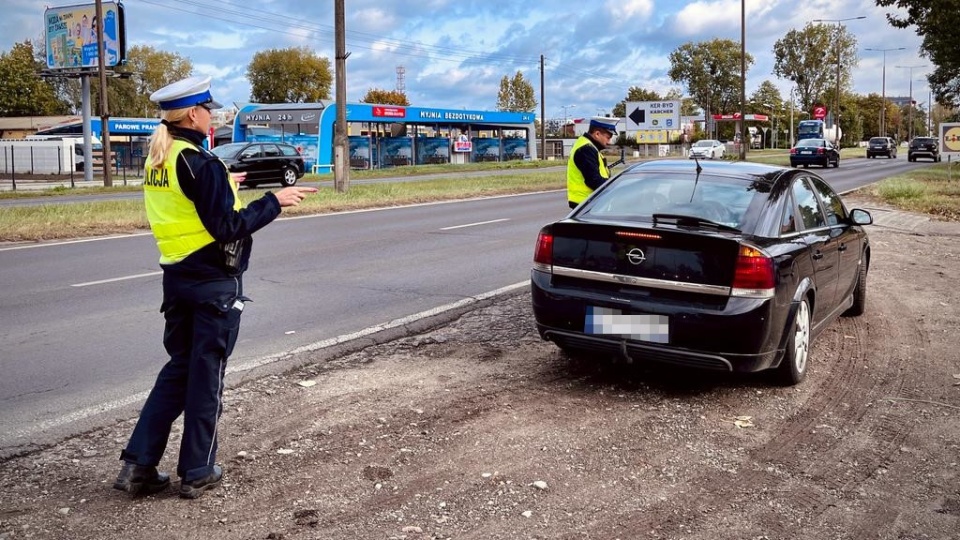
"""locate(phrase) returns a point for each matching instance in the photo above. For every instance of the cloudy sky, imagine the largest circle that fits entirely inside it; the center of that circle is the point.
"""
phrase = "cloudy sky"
(454, 52)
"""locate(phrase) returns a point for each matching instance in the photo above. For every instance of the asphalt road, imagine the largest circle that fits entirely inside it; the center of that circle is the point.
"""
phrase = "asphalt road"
(81, 332)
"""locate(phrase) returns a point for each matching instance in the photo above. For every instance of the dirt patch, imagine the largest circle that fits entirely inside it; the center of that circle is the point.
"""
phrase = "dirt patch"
(480, 430)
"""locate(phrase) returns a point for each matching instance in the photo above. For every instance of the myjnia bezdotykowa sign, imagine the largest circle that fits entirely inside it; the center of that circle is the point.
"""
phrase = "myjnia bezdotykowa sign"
(71, 36)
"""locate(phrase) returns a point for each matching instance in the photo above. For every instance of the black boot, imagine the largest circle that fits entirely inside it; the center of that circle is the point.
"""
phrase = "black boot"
(141, 479)
(192, 490)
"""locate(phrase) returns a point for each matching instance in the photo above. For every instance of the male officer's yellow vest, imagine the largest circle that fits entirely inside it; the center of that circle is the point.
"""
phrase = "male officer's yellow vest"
(577, 189)
(173, 217)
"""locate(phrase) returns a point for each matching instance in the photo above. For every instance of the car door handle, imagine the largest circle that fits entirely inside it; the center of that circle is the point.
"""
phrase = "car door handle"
(817, 255)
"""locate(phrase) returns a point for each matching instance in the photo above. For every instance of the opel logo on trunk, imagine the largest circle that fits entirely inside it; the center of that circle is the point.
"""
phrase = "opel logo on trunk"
(636, 256)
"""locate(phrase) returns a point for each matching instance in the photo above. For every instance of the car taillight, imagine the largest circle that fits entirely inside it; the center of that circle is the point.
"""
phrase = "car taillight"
(543, 255)
(821, 151)
(754, 276)
(793, 151)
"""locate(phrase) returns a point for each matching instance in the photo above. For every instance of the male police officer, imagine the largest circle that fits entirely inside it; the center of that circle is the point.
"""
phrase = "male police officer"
(587, 168)
(203, 232)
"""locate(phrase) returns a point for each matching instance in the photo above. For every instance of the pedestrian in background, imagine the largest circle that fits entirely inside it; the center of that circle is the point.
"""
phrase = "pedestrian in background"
(203, 232)
(587, 168)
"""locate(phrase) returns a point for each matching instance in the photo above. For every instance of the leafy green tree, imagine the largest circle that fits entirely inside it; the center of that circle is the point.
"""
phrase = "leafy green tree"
(711, 72)
(385, 97)
(292, 75)
(516, 94)
(688, 106)
(936, 21)
(146, 71)
(22, 91)
(634, 93)
(808, 57)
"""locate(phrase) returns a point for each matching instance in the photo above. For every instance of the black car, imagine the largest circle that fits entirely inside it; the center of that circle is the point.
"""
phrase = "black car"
(814, 152)
(882, 146)
(924, 147)
(264, 162)
(717, 266)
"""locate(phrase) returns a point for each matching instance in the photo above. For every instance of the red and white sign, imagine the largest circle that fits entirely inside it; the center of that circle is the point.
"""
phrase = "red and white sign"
(819, 112)
(462, 146)
(390, 112)
(736, 116)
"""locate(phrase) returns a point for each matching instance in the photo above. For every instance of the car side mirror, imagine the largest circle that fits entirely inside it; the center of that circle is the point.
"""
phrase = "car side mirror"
(861, 217)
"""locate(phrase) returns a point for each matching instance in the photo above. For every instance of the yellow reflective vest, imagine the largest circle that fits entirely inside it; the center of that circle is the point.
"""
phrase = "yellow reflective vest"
(577, 189)
(173, 217)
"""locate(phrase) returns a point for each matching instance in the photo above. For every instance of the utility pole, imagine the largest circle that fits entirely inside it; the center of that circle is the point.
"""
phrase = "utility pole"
(744, 140)
(341, 170)
(836, 112)
(883, 88)
(104, 110)
(912, 106)
(543, 116)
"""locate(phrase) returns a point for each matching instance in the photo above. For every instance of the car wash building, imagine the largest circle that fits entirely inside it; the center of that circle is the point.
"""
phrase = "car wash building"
(382, 136)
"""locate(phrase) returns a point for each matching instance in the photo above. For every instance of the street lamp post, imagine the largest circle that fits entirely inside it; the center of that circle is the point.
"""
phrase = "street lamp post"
(910, 115)
(836, 114)
(883, 88)
(563, 128)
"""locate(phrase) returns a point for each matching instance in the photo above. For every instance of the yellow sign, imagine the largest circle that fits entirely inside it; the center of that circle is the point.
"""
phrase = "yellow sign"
(656, 136)
(950, 137)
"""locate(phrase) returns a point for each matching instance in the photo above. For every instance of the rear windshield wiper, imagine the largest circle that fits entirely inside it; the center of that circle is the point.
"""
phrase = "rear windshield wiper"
(692, 221)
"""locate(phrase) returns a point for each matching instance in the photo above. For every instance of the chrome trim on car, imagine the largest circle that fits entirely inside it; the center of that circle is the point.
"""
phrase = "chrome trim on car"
(645, 282)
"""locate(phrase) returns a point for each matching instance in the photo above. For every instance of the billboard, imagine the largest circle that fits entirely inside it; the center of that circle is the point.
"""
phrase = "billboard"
(71, 36)
(653, 115)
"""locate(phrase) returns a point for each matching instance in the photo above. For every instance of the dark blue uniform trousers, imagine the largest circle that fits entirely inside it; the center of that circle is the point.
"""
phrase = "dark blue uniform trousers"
(202, 324)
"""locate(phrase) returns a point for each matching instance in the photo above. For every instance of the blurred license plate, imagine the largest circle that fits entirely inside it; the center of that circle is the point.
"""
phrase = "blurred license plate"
(806, 152)
(613, 322)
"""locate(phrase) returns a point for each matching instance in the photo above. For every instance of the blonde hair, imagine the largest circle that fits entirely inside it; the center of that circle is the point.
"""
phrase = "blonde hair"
(161, 140)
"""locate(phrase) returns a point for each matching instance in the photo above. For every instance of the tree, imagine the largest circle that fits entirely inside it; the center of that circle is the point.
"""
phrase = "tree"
(516, 95)
(634, 93)
(150, 70)
(808, 57)
(292, 75)
(385, 97)
(22, 91)
(711, 72)
(936, 21)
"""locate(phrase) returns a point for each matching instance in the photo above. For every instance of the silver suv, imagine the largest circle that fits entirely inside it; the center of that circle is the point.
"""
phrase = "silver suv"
(882, 146)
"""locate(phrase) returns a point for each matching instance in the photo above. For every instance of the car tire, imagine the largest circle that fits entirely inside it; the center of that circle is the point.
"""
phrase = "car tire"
(806, 165)
(859, 293)
(836, 163)
(793, 367)
(288, 177)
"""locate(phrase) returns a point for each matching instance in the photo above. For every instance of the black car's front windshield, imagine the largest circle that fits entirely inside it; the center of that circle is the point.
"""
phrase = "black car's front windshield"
(640, 196)
(228, 151)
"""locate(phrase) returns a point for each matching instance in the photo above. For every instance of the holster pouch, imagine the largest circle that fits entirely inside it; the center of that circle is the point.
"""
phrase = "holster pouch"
(233, 255)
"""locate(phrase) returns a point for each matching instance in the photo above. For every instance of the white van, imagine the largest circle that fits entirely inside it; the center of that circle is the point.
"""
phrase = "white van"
(73, 146)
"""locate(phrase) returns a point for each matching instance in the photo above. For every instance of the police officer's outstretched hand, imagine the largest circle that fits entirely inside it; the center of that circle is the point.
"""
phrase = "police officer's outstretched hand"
(291, 196)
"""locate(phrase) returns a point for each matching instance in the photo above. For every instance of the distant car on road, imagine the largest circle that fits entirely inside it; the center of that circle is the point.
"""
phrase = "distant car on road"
(264, 162)
(882, 146)
(707, 149)
(924, 147)
(718, 266)
(814, 152)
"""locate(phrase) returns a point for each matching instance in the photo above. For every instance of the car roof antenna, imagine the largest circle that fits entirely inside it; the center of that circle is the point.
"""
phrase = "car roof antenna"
(699, 168)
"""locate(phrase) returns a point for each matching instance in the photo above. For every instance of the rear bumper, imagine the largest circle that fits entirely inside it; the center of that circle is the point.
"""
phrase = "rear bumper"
(913, 154)
(742, 336)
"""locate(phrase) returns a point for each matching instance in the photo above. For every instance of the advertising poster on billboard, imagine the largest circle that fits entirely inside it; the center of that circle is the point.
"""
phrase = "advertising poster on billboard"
(486, 149)
(71, 36)
(397, 151)
(359, 152)
(433, 150)
(514, 148)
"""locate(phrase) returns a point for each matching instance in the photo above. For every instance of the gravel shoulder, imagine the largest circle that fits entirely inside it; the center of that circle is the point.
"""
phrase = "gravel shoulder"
(477, 429)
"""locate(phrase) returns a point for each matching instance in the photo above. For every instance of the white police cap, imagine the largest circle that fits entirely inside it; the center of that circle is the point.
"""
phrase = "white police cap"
(604, 123)
(185, 93)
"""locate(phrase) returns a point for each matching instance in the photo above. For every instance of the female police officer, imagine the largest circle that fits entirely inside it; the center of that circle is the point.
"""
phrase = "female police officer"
(204, 233)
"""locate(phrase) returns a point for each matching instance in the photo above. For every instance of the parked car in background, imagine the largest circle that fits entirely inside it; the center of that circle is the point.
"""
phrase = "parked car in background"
(707, 149)
(814, 152)
(924, 147)
(882, 146)
(717, 266)
(264, 162)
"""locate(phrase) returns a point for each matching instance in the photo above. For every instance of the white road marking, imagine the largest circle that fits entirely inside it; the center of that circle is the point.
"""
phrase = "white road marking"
(111, 280)
(66, 242)
(474, 224)
(100, 408)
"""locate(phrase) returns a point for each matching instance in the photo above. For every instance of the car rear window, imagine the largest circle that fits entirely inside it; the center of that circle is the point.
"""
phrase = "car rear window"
(638, 196)
(878, 140)
(288, 150)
